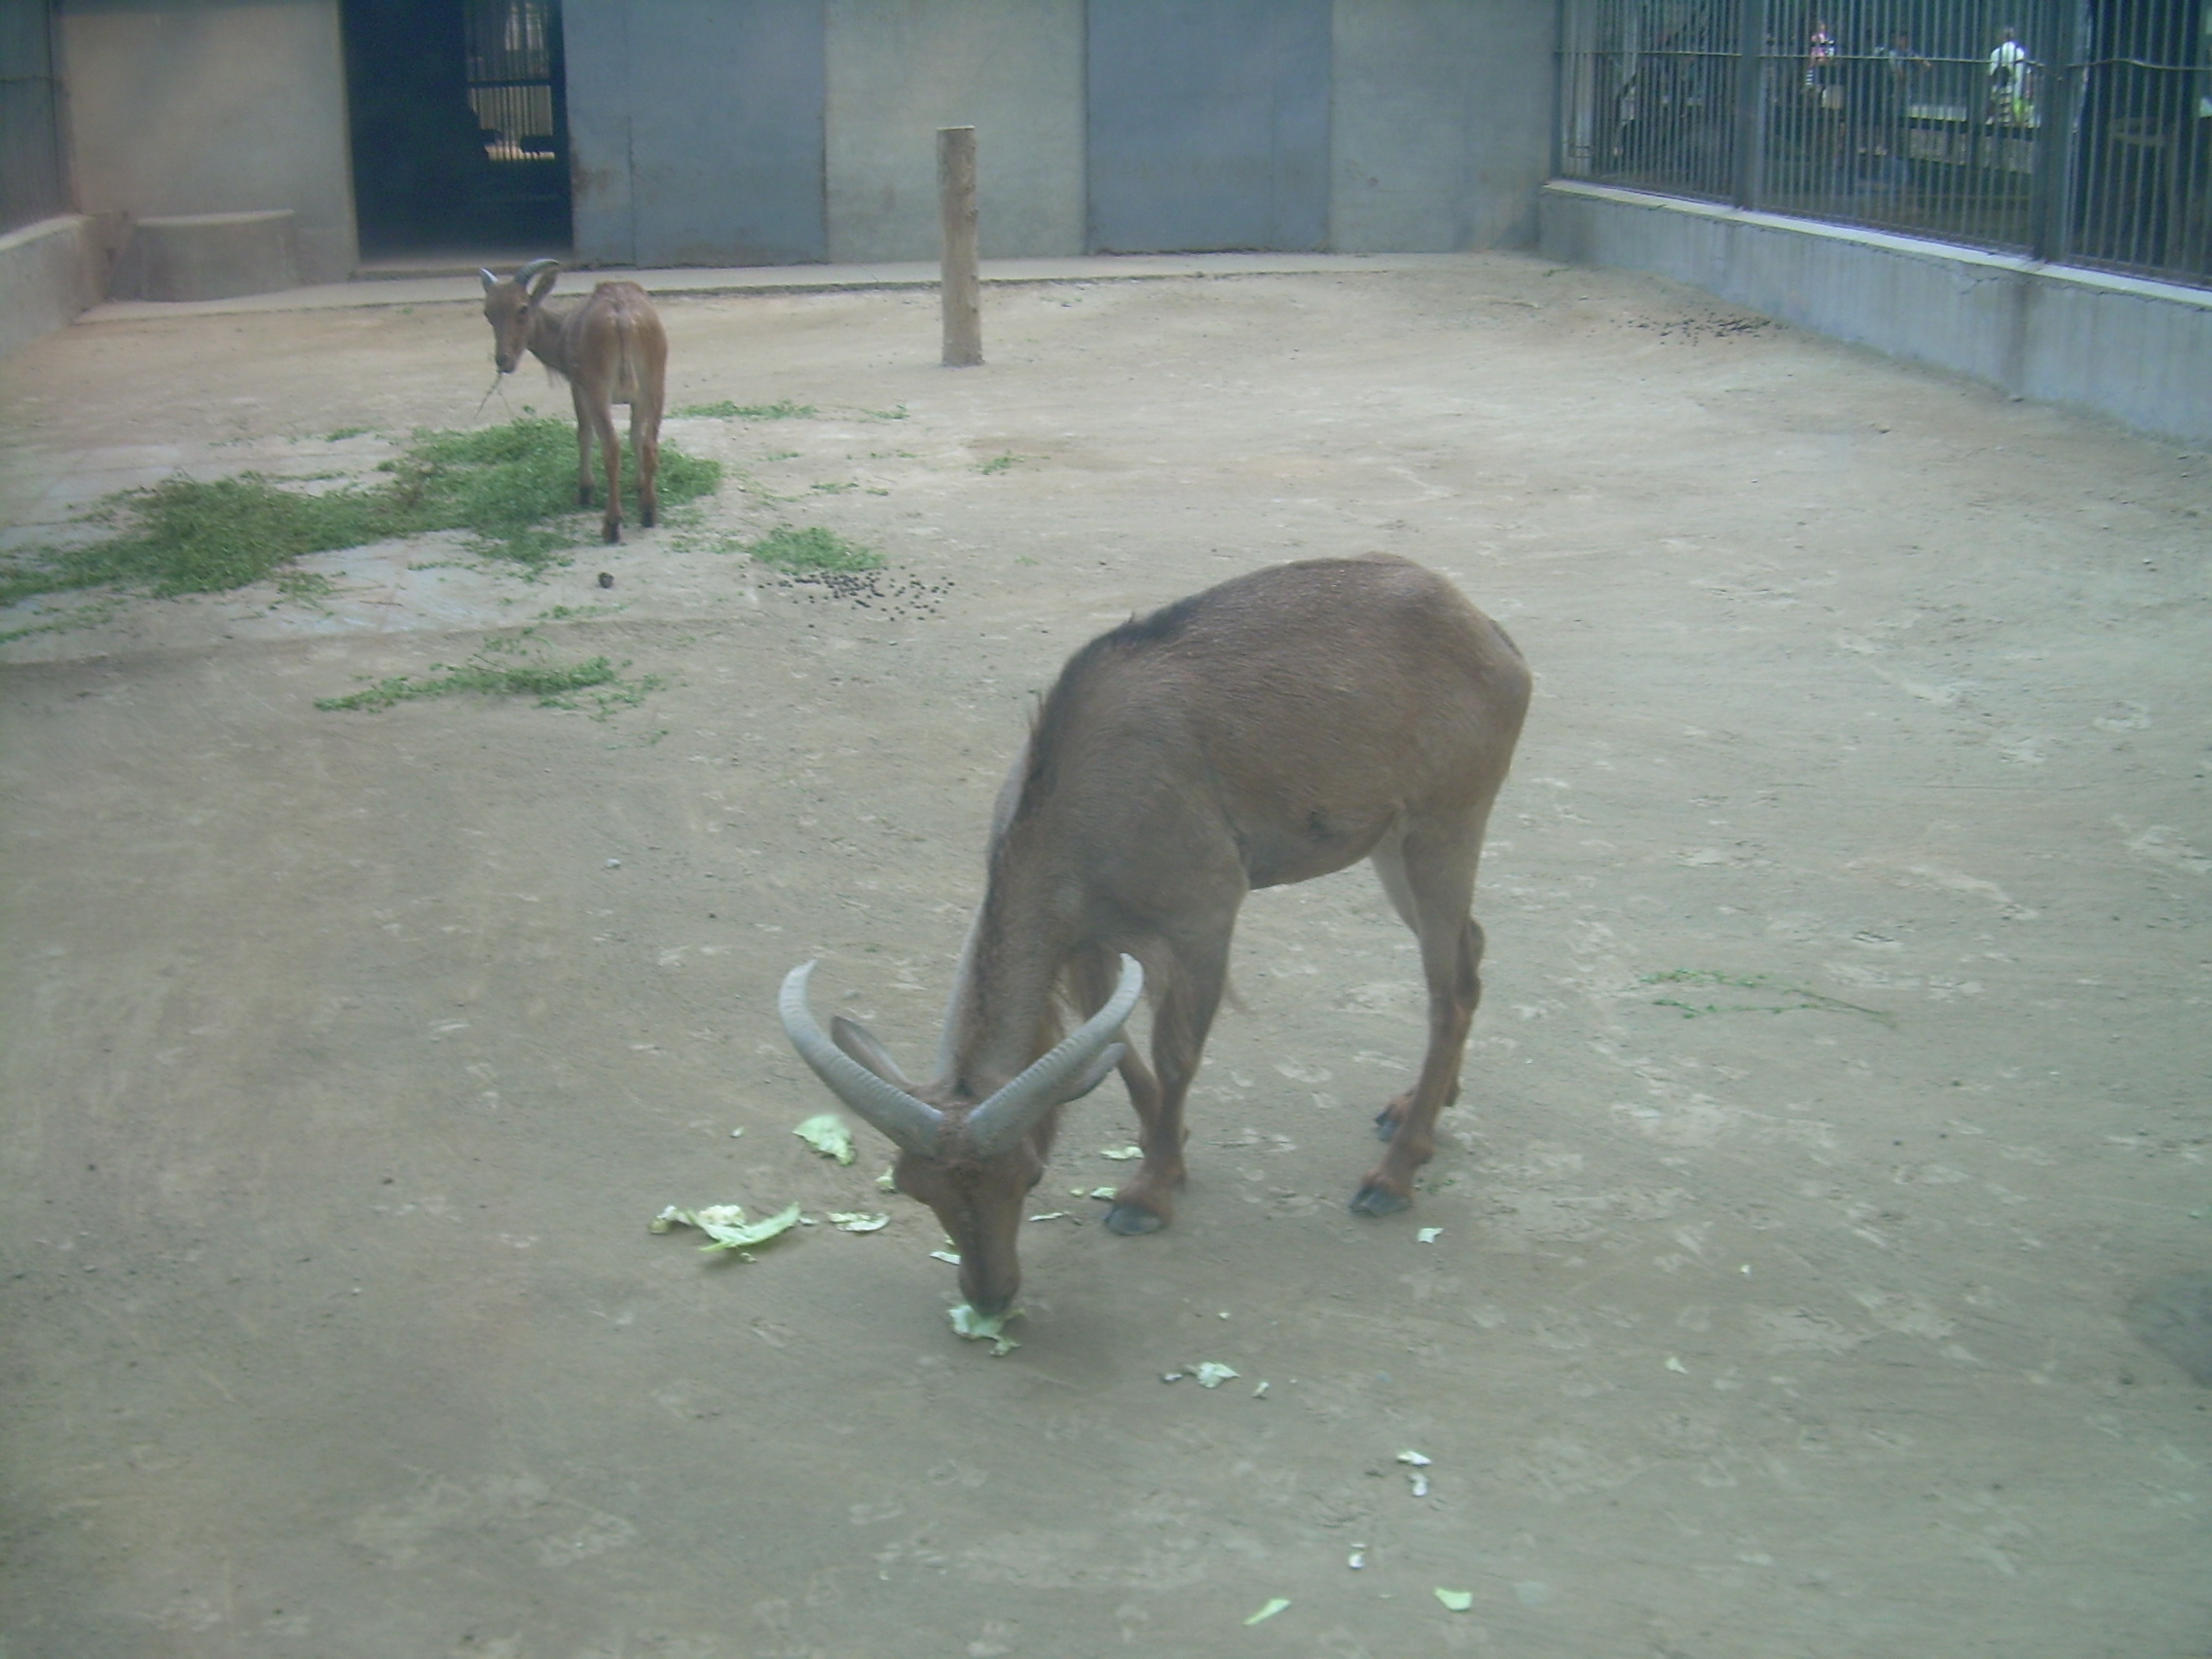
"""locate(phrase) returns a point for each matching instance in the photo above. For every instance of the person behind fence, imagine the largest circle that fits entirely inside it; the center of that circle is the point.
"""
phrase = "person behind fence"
(1898, 66)
(2009, 87)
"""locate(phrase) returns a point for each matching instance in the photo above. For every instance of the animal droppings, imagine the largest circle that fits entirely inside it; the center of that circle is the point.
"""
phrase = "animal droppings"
(896, 598)
(606, 581)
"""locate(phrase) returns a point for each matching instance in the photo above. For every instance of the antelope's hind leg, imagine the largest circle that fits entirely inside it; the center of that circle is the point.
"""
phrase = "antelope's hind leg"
(1433, 888)
(583, 446)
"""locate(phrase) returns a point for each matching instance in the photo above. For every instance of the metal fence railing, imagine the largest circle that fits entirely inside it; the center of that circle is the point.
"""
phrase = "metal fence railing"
(32, 183)
(2074, 130)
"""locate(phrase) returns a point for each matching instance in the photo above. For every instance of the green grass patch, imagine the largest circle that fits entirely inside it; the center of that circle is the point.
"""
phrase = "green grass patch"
(813, 548)
(999, 464)
(512, 488)
(1799, 1000)
(784, 409)
(554, 685)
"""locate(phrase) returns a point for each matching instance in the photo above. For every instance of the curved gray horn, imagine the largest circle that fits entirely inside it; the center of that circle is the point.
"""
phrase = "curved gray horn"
(913, 1123)
(490, 281)
(1012, 1112)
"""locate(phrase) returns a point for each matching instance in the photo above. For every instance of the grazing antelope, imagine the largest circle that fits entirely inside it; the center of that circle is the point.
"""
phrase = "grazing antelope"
(1272, 729)
(611, 348)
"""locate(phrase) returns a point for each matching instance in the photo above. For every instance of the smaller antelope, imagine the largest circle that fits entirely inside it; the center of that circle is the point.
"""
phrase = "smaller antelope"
(1275, 728)
(611, 348)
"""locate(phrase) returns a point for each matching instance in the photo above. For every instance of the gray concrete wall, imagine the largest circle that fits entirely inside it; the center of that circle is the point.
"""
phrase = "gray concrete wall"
(49, 273)
(900, 69)
(1442, 117)
(213, 106)
(2138, 351)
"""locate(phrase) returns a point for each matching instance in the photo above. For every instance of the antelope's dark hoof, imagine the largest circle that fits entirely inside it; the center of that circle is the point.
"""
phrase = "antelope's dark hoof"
(583, 497)
(647, 517)
(1386, 1124)
(1377, 1200)
(1129, 1221)
(612, 532)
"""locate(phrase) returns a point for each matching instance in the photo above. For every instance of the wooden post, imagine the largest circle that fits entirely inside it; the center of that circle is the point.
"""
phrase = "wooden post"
(961, 286)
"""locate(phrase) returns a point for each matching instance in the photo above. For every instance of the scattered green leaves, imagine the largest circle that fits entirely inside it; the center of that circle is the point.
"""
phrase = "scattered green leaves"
(554, 685)
(1800, 999)
(826, 1133)
(999, 464)
(511, 487)
(783, 409)
(985, 1328)
(813, 548)
(726, 1226)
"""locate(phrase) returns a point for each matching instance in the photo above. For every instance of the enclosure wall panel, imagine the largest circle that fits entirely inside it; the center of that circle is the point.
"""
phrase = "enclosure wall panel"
(228, 106)
(901, 69)
(1440, 124)
(2137, 350)
(697, 131)
(48, 274)
(1208, 125)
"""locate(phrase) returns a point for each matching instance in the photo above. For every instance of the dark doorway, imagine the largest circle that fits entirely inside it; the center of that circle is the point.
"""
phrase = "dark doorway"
(1208, 125)
(459, 126)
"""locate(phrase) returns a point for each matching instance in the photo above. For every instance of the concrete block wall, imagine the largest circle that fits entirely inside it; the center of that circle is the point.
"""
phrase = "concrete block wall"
(213, 108)
(1441, 124)
(900, 69)
(1439, 114)
(2138, 351)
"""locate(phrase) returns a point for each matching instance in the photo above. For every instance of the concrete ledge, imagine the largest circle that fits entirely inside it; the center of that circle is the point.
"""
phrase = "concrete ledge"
(48, 274)
(2136, 350)
(210, 256)
(466, 290)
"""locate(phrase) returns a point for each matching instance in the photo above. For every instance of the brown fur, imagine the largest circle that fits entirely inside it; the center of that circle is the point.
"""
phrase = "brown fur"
(1272, 729)
(611, 348)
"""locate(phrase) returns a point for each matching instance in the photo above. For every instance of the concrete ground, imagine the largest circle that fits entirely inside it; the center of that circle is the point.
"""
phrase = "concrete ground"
(1820, 1251)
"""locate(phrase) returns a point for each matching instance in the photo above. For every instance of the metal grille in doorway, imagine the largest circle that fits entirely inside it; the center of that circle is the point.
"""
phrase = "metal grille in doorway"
(2075, 130)
(513, 56)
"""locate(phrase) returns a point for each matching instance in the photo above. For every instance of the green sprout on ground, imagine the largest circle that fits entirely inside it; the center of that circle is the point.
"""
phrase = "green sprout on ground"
(813, 548)
(554, 685)
(1801, 999)
(512, 488)
(999, 464)
(783, 409)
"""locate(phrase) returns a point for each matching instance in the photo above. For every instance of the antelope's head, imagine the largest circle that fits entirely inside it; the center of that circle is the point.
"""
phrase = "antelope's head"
(509, 305)
(972, 1162)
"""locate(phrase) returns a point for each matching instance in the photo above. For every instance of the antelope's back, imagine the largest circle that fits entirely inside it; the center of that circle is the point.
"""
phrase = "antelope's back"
(1328, 698)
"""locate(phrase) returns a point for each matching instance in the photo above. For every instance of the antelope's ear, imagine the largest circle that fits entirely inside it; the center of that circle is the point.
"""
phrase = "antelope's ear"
(861, 1046)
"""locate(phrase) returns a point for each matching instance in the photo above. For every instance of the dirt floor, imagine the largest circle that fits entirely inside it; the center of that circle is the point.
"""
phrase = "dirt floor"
(348, 1055)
